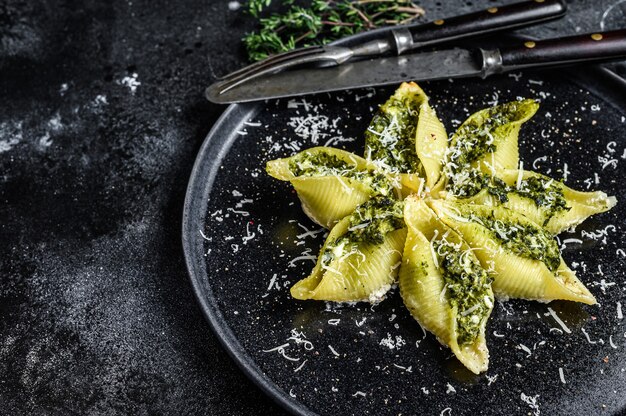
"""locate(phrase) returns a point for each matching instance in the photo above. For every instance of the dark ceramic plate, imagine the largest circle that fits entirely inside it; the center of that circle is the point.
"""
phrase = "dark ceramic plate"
(247, 241)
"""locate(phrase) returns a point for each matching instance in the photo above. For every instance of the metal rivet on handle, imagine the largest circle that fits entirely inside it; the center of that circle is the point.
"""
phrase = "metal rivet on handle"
(596, 36)
(439, 22)
(530, 44)
(493, 10)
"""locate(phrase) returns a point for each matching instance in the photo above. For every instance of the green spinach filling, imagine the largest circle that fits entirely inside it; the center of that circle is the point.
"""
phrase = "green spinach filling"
(472, 181)
(326, 164)
(318, 164)
(477, 137)
(390, 137)
(467, 288)
(544, 192)
(524, 240)
(369, 224)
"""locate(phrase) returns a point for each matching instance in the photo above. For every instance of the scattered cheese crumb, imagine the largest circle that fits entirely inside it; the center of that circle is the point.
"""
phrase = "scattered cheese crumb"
(392, 343)
(335, 353)
(532, 402)
(559, 321)
(131, 82)
(300, 366)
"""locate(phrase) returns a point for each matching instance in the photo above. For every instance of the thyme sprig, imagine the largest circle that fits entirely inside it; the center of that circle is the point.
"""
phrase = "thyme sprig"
(321, 22)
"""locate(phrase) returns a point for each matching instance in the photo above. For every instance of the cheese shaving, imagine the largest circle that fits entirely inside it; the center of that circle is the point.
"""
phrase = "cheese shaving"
(559, 321)
(520, 175)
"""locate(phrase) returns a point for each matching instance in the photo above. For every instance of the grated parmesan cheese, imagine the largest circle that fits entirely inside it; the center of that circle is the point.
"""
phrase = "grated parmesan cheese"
(335, 353)
(587, 336)
(559, 321)
(532, 402)
(300, 366)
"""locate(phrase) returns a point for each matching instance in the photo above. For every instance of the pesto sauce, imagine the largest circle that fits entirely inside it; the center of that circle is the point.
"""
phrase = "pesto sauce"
(326, 164)
(382, 215)
(390, 138)
(468, 183)
(318, 164)
(545, 193)
(476, 138)
(369, 223)
(474, 181)
(498, 188)
(529, 241)
(467, 288)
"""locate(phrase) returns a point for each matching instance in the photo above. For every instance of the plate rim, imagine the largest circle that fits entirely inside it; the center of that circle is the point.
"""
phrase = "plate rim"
(196, 203)
(207, 301)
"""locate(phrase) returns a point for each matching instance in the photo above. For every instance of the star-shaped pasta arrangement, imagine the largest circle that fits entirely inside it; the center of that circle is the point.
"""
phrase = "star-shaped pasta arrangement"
(454, 221)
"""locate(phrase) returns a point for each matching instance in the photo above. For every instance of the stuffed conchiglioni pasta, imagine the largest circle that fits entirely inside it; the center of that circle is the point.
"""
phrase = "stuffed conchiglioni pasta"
(405, 136)
(444, 286)
(331, 183)
(543, 200)
(523, 258)
(487, 141)
(455, 221)
(361, 256)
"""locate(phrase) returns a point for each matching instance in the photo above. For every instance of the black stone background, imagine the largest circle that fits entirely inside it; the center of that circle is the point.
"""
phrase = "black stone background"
(97, 315)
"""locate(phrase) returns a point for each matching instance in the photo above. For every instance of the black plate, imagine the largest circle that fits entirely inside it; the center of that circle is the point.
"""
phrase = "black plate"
(245, 240)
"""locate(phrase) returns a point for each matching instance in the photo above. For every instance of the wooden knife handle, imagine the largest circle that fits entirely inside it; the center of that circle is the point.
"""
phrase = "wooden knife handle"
(591, 47)
(478, 23)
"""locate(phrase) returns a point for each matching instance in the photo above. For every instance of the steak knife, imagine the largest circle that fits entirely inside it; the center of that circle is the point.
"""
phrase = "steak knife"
(428, 66)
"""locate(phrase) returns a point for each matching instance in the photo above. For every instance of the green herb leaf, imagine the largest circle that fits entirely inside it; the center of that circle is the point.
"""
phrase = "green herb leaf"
(321, 22)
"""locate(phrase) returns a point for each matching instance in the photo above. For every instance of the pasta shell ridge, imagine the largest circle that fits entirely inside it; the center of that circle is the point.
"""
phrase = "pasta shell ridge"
(431, 141)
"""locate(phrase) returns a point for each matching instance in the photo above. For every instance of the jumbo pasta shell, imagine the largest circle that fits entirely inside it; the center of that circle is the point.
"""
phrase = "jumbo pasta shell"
(488, 139)
(390, 137)
(514, 276)
(364, 274)
(506, 155)
(328, 196)
(325, 200)
(580, 205)
(411, 183)
(422, 286)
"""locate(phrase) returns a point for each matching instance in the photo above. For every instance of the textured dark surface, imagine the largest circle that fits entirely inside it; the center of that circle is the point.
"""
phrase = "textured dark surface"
(97, 315)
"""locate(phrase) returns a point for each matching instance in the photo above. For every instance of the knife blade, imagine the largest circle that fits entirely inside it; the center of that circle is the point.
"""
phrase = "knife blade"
(427, 66)
(360, 74)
